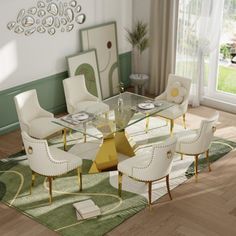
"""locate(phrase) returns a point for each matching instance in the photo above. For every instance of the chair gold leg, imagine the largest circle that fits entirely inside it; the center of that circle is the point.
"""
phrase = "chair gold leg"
(184, 120)
(50, 189)
(147, 124)
(182, 156)
(79, 171)
(120, 174)
(168, 186)
(196, 168)
(85, 136)
(171, 126)
(64, 139)
(150, 194)
(208, 160)
(22, 147)
(32, 181)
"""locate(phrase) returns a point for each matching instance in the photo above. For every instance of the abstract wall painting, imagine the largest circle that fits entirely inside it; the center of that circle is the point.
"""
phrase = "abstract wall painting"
(103, 38)
(85, 63)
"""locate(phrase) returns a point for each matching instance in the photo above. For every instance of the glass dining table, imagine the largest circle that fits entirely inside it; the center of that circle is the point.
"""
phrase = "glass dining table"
(125, 110)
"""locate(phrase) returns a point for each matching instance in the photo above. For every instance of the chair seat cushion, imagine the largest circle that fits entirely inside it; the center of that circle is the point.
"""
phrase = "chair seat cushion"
(141, 160)
(59, 155)
(92, 107)
(172, 112)
(43, 127)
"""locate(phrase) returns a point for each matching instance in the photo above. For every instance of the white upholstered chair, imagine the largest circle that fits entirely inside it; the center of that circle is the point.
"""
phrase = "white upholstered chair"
(198, 142)
(33, 119)
(79, 99)
(177, 91)
(49, 161)
(149, 165)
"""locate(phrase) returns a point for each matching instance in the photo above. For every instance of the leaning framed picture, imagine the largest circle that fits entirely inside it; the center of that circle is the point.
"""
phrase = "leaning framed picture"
(104, 39)
(85, 63)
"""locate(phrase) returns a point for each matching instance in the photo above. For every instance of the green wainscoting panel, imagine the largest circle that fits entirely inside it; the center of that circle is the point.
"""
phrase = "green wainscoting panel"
(125, 68)
(50, 93)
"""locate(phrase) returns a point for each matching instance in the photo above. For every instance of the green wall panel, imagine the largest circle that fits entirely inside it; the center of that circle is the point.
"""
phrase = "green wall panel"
(125, 68)
(50, 93)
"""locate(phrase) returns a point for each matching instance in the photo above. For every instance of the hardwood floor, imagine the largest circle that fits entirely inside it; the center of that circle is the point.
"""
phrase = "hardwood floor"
(204, 208)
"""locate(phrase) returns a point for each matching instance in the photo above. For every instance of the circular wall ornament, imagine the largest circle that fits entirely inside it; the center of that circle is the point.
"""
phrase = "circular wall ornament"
(51, 14)
(48, 21)
(30, 31)
(19, 30)
(52, 9)
(80, 19)
(27, 21)
(11, 25)
(32, 11)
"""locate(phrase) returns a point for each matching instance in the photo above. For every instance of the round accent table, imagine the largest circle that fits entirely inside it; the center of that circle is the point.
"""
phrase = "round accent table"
(139, 81)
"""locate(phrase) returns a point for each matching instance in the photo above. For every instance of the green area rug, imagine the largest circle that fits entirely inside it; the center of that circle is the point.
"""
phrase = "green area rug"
(15, 179)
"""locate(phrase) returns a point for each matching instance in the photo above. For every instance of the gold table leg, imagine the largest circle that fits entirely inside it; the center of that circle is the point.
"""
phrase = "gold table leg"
(106, 156)
(64, 139)
(124, 144)
(147, 123)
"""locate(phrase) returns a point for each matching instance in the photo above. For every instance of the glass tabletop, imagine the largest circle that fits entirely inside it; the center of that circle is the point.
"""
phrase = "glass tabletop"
(125, 110)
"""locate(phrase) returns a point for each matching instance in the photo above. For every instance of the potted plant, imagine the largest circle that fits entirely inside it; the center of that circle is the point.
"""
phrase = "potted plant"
(140, 42)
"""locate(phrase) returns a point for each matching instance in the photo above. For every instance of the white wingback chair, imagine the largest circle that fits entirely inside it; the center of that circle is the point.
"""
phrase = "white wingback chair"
(33, 119)
(149, 165)
(199, 142)
(49, 161)
(177, 91)
(79, 99)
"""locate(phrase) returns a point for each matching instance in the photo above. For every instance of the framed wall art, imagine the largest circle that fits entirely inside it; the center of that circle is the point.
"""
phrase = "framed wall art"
(104, 39)
(85, 63)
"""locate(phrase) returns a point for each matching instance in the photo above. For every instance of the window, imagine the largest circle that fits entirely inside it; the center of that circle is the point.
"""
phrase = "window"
(206, 48)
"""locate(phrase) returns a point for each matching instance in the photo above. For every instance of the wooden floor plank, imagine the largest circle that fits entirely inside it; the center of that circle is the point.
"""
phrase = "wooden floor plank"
(204, 208)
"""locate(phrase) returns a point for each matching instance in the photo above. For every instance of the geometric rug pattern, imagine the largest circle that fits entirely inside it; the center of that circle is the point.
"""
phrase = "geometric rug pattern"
(15, 179)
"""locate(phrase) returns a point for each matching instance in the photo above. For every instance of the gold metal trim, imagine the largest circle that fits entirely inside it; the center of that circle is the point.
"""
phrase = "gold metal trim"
(64, 139)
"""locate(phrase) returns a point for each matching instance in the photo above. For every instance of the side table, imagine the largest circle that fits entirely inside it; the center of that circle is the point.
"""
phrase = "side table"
(139, 81)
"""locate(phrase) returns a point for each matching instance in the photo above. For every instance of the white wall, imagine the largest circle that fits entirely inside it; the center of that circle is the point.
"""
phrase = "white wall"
(141, 11)
(28, 58)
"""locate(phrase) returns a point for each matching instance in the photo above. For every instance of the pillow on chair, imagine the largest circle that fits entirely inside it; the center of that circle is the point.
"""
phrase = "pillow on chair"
(176, 93)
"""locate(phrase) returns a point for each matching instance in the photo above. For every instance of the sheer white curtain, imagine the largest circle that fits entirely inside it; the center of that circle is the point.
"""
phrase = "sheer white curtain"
(199, 30)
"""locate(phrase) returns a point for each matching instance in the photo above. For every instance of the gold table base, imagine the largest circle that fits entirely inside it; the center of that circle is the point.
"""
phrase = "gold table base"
(107, 155)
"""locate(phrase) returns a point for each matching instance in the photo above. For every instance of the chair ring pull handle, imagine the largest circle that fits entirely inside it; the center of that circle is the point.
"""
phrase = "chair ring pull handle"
(169, 155)
(213, 129)
(30, 150)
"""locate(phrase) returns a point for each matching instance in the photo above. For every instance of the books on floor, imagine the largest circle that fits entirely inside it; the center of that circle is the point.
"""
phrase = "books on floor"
(86, 209)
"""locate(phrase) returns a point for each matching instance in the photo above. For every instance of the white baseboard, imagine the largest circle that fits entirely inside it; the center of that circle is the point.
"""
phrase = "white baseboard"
(220, 105)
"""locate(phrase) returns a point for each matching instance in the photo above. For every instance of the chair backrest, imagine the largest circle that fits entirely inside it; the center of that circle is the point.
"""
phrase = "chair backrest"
(39, 156)
(161, 162)
(27, 107)
(206, 133)
(75, 90)
(185, 82)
